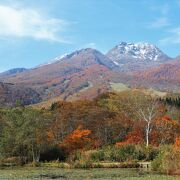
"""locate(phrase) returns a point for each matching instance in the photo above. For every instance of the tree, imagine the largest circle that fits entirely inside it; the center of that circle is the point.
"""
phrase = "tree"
(62, 123)
(24, 133)
(165, 130)
(68, 115)
(177, 142)
(137, 106)
(148, 112)
(135, 137)
(78, 139)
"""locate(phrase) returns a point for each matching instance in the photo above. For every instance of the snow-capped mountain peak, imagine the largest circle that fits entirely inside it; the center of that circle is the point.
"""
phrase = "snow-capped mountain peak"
(136, 51)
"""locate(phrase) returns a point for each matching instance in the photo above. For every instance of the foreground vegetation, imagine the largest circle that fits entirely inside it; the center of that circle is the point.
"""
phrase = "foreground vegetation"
(79, 174)
(113, 130)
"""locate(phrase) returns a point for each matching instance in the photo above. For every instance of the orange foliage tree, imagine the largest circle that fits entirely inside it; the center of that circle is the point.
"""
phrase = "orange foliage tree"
(78, 139)
(61, 124)
(165, 131)
(177, 142)
(133, 137)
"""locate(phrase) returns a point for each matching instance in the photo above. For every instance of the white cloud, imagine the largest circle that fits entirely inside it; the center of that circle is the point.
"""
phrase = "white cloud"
(20, 22)
(159, 23)
(174, 37)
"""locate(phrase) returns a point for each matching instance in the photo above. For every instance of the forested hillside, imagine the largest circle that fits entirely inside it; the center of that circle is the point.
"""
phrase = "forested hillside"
(12, 95)
(129, 119)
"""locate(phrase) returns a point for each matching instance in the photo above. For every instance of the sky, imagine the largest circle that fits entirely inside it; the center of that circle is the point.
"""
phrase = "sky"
(33, 32)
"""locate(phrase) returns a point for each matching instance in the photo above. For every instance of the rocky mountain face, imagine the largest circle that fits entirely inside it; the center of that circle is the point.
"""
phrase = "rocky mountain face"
(11, 95)
(136, 56)
(87, 73)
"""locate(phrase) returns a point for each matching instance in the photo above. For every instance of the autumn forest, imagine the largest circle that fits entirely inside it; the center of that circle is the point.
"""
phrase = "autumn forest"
(125, 127)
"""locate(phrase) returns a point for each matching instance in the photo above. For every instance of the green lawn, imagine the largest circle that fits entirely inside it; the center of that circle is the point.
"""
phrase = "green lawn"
(80, 174)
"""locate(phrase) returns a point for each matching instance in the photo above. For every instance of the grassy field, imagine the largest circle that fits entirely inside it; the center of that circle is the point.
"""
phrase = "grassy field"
(119, 87)
(80, 174)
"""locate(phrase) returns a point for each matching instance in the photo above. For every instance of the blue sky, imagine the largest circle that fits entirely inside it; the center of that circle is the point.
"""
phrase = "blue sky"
(33, 32)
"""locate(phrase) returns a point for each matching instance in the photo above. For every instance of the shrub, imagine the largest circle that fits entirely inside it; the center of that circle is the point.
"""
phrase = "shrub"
(129, 152)
(115, 153)
(168, 161)
(140, 153)
(150, 152)
(75, 156)
(97, 155)
(109, 153)
(123, 153)
(157, 163)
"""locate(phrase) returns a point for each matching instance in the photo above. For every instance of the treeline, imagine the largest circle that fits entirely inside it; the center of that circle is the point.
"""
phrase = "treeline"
(129, 118)
(172, 101)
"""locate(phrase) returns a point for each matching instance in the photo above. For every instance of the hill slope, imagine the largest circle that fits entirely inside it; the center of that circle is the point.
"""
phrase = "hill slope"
(11, 94)
(12, 72)
(163, 76)
(81, 71)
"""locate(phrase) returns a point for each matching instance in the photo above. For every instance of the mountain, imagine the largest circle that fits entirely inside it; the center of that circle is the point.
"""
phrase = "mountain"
(12, 72)
(86, 73)
(165, 76)
(11, 94)
(136, 56)
(82, 71)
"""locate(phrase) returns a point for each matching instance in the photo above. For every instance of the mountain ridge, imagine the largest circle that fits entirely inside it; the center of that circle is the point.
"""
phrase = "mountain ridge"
(13, 71)
(82, 68)
(86, 73)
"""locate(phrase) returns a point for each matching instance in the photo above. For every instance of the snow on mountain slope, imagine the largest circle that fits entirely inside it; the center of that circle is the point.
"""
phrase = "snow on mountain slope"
(137, 55)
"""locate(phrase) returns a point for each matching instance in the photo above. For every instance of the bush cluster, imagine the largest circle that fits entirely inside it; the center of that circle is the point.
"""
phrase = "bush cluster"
(123, 153)
(168, 160)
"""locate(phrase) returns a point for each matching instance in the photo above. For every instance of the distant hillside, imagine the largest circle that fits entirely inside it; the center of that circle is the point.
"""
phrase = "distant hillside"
(12, 72)
(166, 75)
(11, 95)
